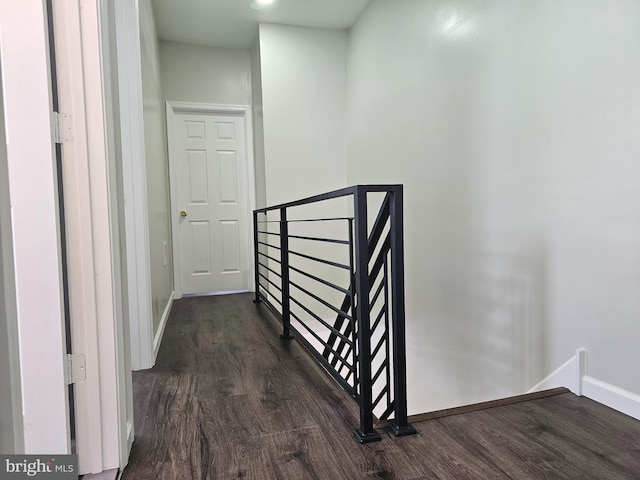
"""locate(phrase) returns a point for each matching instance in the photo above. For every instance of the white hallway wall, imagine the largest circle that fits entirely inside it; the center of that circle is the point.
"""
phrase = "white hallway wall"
(258, 121)
(514, 127)
(200, 74)
(304, 85)
(303, 74)
(194, 73)
(157, 166)
(514, 147)
(11, 428)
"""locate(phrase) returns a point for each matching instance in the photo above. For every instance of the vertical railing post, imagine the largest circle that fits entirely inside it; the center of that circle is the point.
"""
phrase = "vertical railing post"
(256, 257)
(400, 425)
(354, 316)
(284, 266)
(366, 433)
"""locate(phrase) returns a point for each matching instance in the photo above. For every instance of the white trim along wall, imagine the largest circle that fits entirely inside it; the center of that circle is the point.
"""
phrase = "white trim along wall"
(84, 62)
(573, 375)
(135, 184)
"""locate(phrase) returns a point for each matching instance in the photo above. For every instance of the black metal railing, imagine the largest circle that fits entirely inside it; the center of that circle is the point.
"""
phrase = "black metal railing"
(338, 287)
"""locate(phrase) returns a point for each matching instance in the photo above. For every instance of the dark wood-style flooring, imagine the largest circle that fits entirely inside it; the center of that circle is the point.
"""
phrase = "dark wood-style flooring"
(228, 399)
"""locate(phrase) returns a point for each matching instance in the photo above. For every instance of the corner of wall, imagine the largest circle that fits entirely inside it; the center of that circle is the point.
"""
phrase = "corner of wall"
(157, 338)
(573, 375)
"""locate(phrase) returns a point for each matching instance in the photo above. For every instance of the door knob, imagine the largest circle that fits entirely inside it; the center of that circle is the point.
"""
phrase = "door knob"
(183, 213)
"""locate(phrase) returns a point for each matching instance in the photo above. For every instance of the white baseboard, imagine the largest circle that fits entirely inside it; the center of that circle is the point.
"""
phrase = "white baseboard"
(572, 375)
(611, 396)
(130, 437)
(568, 375)
(157, 339)
(106, 475)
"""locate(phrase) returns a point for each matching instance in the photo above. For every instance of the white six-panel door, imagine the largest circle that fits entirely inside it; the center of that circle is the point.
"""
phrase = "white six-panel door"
(211, 196)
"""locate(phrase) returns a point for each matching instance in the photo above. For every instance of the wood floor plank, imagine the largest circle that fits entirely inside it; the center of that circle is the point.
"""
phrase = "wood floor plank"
(169, 444)
(183, 311)
(595, 447)
(302, 454)
(596, 418)
(143, 385)
(178, 351)
(337, 416)
(221, 369)
(443, 455)
(275, 399)
(484, 439)
(234, 449)
(229, 399)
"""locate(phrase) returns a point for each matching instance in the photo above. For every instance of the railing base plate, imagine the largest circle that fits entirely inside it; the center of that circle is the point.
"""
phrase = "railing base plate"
(286, 337)
(366, 437)
(402, 431)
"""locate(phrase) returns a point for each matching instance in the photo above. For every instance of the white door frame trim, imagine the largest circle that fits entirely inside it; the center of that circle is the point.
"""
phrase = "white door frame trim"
(33, 194)
(92, 233)
(245, 111)
(135, 184)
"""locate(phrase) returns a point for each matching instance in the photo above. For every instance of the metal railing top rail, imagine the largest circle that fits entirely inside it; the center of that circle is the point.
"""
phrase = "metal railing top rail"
(343, 192)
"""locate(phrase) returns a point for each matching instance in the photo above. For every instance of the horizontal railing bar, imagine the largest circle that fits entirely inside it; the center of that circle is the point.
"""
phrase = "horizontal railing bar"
(277, 300)
(271, 294)
(277, 274)
(268, 233)
(350, 368)
(319, 219)
(378, 227)
(264, 299)
(355, 382)
(323, 362)
(321, 260)
(322, 301)
(318, 279)
(343, 192)
(269, 257)
(317, 337)
(270, 282)
(346, 354)
(268, 245)
(317, 239)
(347, 331)
(337, 332)
(346, 377)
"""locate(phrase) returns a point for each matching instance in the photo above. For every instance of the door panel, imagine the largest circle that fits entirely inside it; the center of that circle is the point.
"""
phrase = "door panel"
(211, 191)
(230, 251)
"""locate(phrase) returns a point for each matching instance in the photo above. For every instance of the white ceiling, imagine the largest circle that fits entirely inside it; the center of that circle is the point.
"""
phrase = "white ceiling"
(233, 23)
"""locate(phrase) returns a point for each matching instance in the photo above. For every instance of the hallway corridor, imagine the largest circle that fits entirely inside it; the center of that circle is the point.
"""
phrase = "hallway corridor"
(228, 399)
